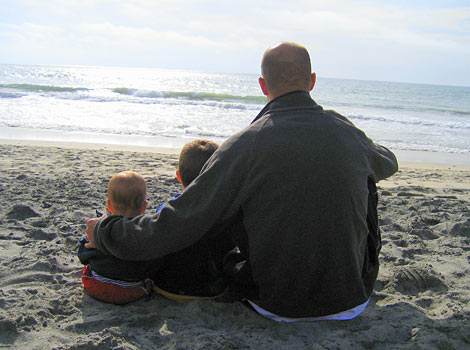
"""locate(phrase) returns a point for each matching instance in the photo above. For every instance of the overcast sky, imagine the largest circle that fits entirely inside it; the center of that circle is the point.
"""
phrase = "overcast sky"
(424, 41)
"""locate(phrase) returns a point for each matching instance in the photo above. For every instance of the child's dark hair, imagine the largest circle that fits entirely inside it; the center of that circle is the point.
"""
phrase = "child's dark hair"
(193, 156)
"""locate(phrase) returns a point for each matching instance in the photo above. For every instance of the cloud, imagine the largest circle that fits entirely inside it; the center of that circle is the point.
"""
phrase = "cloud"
(111, 35)
(347, 39)
(29, 38)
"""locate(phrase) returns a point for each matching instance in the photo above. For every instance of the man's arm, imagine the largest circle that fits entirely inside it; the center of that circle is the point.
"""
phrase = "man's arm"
(383, 162)
(210, 200)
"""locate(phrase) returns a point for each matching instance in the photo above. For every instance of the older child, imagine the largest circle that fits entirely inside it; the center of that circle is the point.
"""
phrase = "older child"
(197, 270)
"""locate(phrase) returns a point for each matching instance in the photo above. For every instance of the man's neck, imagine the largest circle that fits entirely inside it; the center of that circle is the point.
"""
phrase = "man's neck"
(273, 96)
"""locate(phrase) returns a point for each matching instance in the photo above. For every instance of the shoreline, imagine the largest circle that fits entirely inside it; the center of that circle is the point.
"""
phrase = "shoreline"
(91, 146)
(408, 159)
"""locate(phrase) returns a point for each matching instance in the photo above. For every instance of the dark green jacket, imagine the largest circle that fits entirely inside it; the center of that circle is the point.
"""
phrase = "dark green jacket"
(299, 175)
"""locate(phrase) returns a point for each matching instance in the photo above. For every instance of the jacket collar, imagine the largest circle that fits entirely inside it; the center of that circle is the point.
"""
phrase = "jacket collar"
(294, 100)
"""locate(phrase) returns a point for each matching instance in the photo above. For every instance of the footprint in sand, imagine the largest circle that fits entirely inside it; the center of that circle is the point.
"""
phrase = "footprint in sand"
(461, 228)
(21, 212)
(412, 280)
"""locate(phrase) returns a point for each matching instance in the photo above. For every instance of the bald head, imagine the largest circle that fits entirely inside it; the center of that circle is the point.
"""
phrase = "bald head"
(126, 194)
(286, 67)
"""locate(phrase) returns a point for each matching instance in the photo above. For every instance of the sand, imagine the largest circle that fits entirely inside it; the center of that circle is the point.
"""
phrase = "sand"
(422, 297)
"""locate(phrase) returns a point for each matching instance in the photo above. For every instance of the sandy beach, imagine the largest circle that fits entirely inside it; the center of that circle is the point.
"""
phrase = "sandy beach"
(421, 300)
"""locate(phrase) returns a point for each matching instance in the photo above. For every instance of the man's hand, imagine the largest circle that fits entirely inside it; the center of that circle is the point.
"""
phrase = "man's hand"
(90, 235)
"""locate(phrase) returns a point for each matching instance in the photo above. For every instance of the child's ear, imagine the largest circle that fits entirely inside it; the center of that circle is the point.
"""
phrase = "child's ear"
(110, 205)
(178, 176)
(144, 206)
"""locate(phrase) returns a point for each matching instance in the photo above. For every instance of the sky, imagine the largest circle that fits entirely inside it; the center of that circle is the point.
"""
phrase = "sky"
(421, 41)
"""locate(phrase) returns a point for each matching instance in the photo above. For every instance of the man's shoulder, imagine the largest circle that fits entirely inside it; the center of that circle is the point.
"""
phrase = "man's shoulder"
(337, 116)
(240, 139)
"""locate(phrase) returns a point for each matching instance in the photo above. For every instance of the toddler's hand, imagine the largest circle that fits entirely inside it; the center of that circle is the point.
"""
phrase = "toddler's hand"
(90, 235)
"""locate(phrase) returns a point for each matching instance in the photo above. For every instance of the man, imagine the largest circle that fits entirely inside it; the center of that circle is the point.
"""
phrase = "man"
(299, 177)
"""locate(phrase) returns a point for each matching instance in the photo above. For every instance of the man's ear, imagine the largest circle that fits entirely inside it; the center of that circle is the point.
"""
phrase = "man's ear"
(313, 78)
(110, 205)
(262, 84)
(178, 176)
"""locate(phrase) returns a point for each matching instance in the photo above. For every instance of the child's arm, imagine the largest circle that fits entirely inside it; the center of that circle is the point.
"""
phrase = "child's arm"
(90, 226)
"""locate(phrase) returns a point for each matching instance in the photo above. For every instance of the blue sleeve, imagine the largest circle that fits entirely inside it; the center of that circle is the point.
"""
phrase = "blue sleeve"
(162, 205)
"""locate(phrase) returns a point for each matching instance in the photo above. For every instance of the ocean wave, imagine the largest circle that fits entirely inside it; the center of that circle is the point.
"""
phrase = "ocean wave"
(116, 132)
(415, 108)
(452, 110)
(10, 94)
(414, 122)
(139, 96)
(41, 88)
(399, 145)
(138, 92)
(190, 95)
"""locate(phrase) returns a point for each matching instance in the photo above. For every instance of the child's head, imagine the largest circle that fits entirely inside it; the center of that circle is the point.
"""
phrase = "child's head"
(193, 156)
(127, 194)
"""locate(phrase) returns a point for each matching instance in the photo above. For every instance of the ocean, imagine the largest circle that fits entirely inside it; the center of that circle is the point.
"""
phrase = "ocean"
(167, 108)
